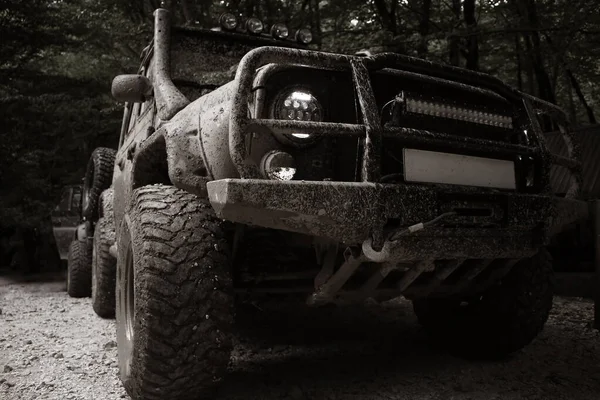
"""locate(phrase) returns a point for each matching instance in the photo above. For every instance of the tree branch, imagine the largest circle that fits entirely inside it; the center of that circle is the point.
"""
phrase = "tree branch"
(481, 32)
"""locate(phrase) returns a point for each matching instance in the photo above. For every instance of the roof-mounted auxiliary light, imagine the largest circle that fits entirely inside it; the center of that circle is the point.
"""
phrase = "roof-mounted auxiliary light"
(304, 36)
(280, 31)
(228, 21)
(254, 26)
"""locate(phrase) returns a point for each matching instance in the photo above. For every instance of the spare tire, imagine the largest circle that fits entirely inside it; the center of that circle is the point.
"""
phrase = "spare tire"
(98, 178)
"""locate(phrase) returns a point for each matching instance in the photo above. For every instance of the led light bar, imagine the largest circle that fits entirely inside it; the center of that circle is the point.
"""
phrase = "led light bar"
(458, 113)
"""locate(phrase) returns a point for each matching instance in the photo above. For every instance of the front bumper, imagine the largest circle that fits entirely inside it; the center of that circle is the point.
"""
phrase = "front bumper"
(512, 225)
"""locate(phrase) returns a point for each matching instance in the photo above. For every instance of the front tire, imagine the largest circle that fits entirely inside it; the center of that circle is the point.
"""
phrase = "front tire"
(497, 322)
(79, 269)
(174, 295)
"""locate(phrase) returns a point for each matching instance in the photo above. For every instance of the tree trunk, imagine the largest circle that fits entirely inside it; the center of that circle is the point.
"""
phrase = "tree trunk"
(271, 11)
(527, 14)
(472, 53)
(575, 85)
(453, 39)
(572, 109)
(424, 28)
(519, 66)
(388, 17)
(531, 84)
(315, 22)
(188, 14)
(545, 86)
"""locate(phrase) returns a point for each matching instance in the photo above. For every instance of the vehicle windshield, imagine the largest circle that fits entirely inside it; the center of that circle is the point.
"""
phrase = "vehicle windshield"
(203, 60)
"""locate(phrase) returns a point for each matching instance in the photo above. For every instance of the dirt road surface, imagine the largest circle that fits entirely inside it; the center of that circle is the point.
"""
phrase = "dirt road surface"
(54, 347)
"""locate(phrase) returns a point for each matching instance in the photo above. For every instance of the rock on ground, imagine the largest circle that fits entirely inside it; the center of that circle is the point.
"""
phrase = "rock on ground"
(54, 347)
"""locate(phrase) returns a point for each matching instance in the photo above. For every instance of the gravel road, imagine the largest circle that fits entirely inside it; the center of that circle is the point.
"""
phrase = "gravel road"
(54, 347)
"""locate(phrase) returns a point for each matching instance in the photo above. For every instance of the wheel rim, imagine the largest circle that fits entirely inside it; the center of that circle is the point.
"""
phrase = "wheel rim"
(94, 266)
(129, 306)
(69, 275)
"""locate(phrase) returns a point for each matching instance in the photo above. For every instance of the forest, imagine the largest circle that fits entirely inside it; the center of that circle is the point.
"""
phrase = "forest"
(58, 58)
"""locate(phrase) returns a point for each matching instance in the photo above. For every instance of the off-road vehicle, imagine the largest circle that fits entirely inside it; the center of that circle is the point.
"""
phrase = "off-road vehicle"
(94, 201)
(66, 218)
(250, 166)
(73, 241)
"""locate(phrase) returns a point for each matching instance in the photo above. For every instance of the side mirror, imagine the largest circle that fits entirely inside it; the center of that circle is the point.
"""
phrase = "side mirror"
(131, 88)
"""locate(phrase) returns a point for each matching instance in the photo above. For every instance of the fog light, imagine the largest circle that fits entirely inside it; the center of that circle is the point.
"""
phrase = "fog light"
(280, 31)
(304, 36)
(278, 165)
(254, 26)
(228, 21)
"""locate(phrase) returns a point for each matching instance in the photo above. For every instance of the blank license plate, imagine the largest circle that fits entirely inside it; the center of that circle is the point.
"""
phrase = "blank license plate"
(458, 169)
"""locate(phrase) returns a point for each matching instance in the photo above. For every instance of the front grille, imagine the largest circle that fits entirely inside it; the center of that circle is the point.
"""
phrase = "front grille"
(418, 102)
(422, 103)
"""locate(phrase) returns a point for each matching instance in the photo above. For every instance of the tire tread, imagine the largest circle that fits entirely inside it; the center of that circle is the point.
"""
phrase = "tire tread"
(183, 295)
(79, 269)
(101, 163)
(105, 268)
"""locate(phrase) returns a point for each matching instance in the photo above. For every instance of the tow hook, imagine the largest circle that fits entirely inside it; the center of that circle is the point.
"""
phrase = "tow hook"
(385, 253)
(373, 255)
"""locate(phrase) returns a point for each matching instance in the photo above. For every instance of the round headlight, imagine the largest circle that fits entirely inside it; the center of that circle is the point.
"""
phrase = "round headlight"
(228, 21)
(254, 26)
(297, 104)
(304, 36)
(280, 31)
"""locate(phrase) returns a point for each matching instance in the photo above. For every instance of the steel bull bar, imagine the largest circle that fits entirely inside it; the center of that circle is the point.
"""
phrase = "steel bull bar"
(370, 129)
(356, 212)
(352, 212)
(346, 212)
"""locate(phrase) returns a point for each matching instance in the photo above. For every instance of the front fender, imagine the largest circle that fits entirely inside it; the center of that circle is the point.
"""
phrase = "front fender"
(191, 149)
(186, 165)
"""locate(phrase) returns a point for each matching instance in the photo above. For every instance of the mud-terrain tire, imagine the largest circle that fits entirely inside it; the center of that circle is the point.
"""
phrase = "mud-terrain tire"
(175, 304)
(105, 208)
(104, 270)
(79, 268)
(98, 177)
(503, 319)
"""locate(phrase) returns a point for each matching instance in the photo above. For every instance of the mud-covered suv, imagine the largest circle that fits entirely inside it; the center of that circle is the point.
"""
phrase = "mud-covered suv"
(249, 166)
(66, 218)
